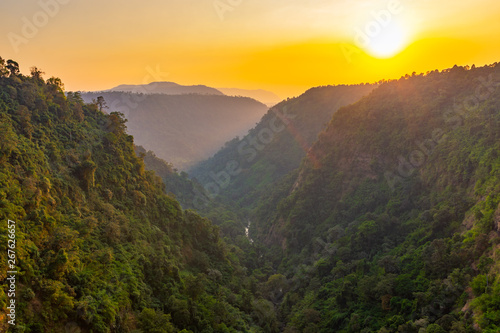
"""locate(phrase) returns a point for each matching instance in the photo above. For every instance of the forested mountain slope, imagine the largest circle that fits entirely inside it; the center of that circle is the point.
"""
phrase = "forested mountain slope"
(177, 184)
(274, 147)
(392, 223)
(99, 246)
(183, 129)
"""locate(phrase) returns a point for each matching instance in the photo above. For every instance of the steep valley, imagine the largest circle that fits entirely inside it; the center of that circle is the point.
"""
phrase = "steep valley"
(362, 208)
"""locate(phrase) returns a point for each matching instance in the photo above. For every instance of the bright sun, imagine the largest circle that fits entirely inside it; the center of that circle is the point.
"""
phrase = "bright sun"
(388, 42)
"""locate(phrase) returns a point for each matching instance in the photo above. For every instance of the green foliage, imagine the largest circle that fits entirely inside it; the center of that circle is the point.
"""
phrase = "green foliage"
(153, 322)
(391, 221)
(276, 146)
(333, 244)
(487, 304)
(100, 246)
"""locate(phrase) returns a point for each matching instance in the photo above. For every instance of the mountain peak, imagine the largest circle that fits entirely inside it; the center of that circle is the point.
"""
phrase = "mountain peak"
(166, 88)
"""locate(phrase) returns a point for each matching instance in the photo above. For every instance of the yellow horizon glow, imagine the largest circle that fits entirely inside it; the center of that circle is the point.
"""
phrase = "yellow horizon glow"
(286, 48)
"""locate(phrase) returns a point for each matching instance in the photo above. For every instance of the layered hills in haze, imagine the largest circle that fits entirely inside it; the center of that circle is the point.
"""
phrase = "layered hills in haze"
(167, 88)
(276, 145)
(172, 88)
(264, 96)
(183, 129)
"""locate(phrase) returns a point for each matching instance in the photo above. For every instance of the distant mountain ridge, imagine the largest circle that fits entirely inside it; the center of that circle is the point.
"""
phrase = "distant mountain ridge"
(167, 88)
(267, 97)
(171, 88)
(183, 129)
(265, 158)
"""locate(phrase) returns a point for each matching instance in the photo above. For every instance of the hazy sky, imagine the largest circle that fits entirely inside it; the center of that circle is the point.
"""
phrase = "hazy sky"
(285, 46)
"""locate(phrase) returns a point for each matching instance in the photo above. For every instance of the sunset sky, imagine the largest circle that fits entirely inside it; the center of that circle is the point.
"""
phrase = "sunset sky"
(285, 46)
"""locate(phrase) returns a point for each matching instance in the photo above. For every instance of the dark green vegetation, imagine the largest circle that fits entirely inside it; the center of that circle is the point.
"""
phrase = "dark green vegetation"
(177, 184)
(392, 221)
(100, 247)
(388, 222)
(182, 129)
(275, 147)
(187, 191)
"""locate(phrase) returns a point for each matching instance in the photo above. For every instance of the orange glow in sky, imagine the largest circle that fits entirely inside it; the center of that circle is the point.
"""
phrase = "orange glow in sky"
(282, 46)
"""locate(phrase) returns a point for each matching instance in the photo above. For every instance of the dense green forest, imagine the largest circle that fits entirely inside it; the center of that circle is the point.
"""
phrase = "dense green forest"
(188, 191)
(388, 221)
(270, 151)
(100, 246)
(177, 184)
(392, 221)
(182, 129)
